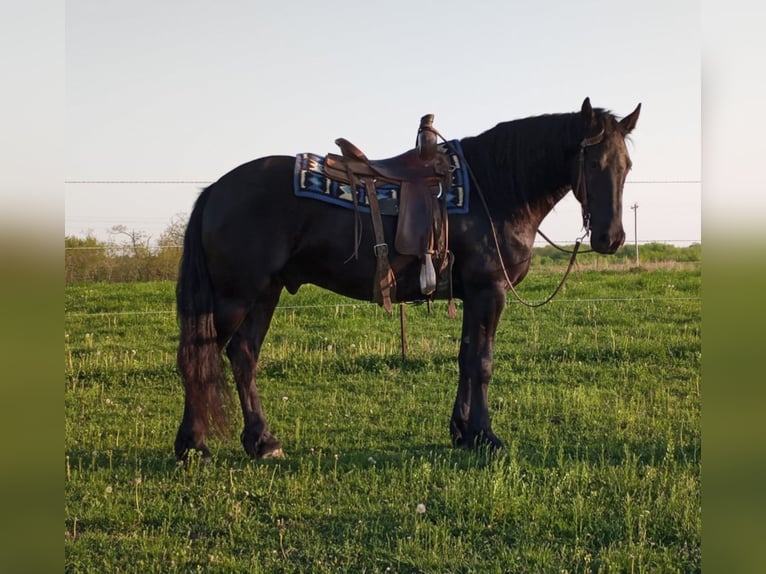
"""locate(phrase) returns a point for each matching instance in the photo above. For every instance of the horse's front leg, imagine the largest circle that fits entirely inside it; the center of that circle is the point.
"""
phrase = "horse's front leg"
(471, 425)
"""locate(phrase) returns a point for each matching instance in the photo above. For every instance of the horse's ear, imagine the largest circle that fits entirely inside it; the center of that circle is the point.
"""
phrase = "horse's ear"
(629, 122)
(587, 112)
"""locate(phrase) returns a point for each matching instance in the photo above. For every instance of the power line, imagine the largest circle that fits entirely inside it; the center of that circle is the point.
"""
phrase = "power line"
(663, 181)
(136, 182)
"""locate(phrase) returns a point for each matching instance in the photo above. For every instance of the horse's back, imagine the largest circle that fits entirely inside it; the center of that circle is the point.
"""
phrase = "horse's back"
(256, 232)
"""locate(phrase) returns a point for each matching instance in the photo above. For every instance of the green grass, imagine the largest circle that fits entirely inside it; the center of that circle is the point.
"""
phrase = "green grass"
(596, 395)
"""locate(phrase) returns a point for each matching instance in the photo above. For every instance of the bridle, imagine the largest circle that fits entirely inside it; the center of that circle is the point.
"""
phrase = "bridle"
(581, 193)
(581, 188)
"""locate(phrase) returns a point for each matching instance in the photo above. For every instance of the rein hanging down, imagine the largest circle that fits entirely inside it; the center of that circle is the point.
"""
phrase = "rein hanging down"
(581, 192)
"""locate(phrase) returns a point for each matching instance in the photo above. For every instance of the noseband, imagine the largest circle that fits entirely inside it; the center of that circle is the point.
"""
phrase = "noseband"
(581, 189)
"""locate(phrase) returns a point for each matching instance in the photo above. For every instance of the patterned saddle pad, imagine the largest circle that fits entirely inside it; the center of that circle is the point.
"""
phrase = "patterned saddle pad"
(311, 181)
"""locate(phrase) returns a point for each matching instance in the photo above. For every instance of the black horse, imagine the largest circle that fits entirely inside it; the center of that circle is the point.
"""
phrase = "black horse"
(249, 236)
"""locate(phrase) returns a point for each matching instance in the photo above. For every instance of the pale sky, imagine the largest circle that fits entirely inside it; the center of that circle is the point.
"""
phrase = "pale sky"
(187, 90)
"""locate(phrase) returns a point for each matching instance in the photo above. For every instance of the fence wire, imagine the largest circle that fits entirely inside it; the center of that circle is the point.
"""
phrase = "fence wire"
(369, 304)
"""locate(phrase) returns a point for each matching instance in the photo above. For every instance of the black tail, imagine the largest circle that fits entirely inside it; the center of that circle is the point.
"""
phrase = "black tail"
(199, 359)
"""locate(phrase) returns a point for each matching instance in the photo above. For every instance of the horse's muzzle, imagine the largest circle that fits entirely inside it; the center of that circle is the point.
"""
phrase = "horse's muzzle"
(607, 243)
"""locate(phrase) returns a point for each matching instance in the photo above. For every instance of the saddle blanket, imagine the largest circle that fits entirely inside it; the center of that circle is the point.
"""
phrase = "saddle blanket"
(311, 181)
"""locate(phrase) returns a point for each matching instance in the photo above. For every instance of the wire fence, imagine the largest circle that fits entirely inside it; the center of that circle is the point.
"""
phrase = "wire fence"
(368, 304)
(130, 248)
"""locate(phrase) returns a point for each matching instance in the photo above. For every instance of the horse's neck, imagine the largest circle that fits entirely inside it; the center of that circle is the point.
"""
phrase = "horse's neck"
(520, 189)
(546, 207)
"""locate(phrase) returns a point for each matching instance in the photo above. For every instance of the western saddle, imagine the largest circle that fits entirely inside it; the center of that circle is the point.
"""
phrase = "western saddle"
(423, 176)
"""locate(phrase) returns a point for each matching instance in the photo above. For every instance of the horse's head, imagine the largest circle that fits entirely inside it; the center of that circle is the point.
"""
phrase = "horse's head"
(600, 168)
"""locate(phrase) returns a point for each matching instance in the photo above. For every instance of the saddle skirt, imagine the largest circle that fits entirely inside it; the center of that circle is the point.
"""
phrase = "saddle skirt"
(418, 191)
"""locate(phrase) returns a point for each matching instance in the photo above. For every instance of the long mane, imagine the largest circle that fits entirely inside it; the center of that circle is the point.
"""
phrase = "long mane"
(526, 162)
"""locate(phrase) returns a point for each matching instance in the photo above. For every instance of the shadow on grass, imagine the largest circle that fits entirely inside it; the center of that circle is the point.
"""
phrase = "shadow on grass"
(367, 363)
(145, 461)
(597, 452)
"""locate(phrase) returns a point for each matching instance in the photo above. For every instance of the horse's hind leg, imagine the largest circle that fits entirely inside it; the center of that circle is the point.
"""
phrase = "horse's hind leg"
(201, 367)
(191, 435)
(243, 351)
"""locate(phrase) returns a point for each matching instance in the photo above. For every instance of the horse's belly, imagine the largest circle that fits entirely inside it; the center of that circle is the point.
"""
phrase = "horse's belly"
(352, 279)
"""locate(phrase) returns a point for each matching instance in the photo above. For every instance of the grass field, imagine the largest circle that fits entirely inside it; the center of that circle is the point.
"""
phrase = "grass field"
(596, 395)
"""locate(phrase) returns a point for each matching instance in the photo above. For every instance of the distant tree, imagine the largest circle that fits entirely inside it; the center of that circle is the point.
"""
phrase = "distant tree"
(86, 259)
(173, 236)
(169, 246)
(138, 241)
(127, 256)
(131, 252)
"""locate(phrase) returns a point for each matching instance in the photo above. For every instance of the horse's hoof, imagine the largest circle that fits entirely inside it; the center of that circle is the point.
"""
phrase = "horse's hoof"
(266, 446)
(482, 440)
(489, 441)
(194, 456)
(276, 453)
(462, 444)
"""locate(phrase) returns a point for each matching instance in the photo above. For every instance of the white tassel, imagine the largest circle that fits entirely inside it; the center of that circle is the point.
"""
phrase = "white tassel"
(427, 276)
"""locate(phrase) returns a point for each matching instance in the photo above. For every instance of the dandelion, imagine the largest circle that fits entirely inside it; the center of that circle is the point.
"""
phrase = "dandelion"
(108, 490)
(284, 398)
(421, 508)
(372, 460)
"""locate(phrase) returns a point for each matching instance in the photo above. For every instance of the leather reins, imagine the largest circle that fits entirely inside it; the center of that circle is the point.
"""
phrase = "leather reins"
(581, 193)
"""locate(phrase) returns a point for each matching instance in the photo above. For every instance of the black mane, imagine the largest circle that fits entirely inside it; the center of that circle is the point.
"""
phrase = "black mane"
(528, 161)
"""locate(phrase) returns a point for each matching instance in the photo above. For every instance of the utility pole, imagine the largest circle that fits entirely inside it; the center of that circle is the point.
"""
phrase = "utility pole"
(634, 207)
